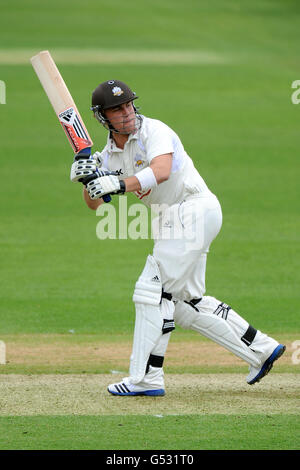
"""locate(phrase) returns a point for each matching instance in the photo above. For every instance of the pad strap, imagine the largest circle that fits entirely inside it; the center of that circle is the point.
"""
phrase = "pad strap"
(168, 326)
(155, 361)
(249, 336)
(193, 303)
(166, 295)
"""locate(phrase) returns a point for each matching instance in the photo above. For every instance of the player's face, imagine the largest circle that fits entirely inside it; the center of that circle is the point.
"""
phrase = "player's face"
(122, 118)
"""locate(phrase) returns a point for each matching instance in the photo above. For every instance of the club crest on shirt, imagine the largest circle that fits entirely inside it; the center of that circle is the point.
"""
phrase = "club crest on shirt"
(117, 91)
(138, 159)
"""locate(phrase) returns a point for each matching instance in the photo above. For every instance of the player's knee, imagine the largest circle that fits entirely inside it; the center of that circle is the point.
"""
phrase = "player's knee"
(184, 314)
(148, 287)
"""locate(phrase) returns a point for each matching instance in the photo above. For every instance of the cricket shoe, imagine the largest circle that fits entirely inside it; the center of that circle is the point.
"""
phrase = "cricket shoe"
(152, 385)
(256, 374)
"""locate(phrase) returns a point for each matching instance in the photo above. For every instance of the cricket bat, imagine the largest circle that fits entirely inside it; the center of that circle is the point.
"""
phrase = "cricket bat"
(64, 107)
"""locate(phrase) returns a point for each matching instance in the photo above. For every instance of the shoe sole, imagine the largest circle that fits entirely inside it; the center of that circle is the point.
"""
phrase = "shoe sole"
(149, 393)
(268, 364)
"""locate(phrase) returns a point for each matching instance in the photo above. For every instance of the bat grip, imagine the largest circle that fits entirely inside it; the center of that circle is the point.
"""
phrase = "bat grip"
(86, 153)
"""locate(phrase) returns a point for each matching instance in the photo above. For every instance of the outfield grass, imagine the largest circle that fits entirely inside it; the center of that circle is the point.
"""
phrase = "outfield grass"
(251, 167)
(234, 113)
(192, 432)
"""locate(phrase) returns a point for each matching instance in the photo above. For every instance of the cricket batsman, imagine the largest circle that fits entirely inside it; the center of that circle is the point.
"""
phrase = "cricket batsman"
(146, 157)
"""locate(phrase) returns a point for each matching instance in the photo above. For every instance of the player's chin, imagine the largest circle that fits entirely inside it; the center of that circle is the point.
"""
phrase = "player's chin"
(128, 128)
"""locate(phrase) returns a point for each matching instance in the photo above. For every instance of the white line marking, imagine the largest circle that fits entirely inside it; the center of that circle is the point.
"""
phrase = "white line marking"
(103, 56)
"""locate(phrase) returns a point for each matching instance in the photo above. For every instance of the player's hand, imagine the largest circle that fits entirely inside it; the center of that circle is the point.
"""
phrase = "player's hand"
(98, 158)
(82, 168)
(109, 183)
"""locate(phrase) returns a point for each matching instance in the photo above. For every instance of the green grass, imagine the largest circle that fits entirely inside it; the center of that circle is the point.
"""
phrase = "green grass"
(55, 267)
(192, 432)
(215, 24)
(239, 126)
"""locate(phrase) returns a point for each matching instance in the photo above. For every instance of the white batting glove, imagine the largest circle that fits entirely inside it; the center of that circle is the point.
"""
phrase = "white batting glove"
(99, 160)
(108, 184)
(82, 168)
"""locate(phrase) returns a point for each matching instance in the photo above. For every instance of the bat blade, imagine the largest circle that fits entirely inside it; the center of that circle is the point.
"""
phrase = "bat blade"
(61, 100)
(63, 105)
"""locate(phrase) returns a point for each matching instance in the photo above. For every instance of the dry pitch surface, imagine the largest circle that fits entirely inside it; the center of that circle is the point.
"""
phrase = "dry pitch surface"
(83, 394)
(66, 351)
(187, 393)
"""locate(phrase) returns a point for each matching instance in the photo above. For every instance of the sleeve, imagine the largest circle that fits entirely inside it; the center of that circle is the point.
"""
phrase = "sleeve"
(159, 140)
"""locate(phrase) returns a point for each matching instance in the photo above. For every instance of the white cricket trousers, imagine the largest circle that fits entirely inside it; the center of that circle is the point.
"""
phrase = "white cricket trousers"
(182, 237)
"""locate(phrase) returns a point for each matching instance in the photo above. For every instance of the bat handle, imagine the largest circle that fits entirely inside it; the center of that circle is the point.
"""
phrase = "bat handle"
(86, 153)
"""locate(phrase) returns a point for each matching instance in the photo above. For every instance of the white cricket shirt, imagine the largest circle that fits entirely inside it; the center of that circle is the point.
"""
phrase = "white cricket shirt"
(155, 138)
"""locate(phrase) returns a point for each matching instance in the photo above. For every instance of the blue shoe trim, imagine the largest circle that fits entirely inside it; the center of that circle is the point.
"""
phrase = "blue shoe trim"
(268, 364)
(153, 393)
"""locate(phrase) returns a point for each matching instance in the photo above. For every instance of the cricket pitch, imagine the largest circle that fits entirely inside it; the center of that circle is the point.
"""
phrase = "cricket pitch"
(86, 394)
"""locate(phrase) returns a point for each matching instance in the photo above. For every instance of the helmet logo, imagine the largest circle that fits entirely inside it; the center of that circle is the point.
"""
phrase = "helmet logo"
(117, 91)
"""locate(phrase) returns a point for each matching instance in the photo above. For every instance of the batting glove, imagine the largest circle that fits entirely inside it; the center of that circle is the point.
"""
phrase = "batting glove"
(99, 159)
(82, 168)
(106, 183)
